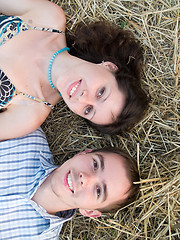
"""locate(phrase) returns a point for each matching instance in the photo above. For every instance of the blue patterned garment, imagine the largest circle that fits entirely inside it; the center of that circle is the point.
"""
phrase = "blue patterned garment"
(10, 26)
(24, 164)
(7, 89)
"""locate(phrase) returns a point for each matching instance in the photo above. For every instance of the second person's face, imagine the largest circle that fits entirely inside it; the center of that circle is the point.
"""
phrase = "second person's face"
(91, 180)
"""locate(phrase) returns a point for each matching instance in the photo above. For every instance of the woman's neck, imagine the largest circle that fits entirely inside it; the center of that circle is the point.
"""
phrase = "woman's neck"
(61, 68)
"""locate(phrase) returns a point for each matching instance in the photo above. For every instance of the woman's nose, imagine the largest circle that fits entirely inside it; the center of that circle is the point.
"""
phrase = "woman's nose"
(83, 96)
(86, 98)
(83, 93)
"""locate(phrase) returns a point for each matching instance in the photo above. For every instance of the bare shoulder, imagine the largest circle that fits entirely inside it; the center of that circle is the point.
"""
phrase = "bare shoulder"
(46, 14)
(20, 119)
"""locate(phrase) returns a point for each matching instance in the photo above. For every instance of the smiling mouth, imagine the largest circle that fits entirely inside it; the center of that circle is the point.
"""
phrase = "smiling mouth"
(69, 181)
(73, 90)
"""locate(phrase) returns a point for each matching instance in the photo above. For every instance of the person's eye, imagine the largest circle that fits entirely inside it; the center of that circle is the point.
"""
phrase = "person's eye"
(88, 110)
(98, 189)
(101, 92)
(95, 164)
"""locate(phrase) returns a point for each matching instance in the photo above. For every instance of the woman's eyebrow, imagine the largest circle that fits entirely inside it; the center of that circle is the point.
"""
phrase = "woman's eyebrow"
(92, 115)
(105, 98)
(102, 102)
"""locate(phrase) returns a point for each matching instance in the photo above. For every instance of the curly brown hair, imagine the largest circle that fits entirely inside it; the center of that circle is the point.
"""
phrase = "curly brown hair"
(103, 41)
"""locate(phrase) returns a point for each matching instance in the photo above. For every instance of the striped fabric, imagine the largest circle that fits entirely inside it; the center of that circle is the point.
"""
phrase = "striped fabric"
(23, 167)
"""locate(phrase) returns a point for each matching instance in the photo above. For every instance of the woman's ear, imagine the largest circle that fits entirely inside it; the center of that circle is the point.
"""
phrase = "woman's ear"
(90, 213)
(109, 65)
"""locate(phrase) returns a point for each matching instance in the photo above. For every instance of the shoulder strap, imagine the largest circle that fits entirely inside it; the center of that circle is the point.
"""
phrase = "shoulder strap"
(46, 29)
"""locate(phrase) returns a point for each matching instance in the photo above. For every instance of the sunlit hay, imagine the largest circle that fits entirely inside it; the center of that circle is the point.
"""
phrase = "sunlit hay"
(154, 142)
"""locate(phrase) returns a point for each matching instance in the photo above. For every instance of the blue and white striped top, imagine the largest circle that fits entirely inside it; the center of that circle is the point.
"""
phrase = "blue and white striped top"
(24, 164)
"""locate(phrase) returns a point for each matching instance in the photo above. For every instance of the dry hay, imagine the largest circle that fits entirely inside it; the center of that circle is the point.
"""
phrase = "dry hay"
(154, 142)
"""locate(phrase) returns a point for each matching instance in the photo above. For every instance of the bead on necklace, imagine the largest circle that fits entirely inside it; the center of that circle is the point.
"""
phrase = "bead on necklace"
(50, 65)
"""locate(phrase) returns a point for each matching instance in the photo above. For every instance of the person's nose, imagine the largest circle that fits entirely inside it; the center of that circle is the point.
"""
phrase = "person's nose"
(86, 179)
(85, 97)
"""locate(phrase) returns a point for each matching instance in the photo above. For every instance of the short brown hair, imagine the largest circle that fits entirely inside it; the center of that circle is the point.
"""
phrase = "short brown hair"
(133, 176)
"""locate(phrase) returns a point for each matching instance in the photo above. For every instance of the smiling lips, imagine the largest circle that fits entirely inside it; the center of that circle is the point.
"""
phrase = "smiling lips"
(73, 88)
(68, 182)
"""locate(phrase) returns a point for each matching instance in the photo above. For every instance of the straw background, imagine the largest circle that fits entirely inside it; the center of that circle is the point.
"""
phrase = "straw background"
(154, 142)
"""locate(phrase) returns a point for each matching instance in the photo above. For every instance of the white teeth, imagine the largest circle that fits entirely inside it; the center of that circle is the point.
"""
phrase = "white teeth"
(74, 88)
(70, 182)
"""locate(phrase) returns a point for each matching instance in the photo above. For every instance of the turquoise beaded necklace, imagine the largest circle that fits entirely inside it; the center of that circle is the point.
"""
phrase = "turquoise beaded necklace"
(50, 65)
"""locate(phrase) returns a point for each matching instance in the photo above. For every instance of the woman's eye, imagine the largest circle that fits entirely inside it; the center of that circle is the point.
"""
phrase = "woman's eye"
(95, 165)
(98, 191)
(88, 110)
(100, 93)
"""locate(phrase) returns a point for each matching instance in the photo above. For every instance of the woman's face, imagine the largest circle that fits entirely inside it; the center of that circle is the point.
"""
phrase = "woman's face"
(91, 91)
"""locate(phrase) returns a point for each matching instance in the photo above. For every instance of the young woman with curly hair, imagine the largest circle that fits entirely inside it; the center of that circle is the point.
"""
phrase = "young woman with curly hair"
(99, 79)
